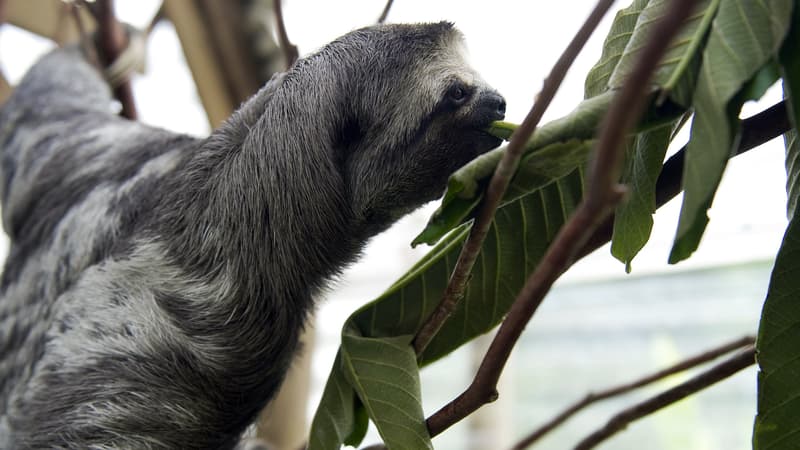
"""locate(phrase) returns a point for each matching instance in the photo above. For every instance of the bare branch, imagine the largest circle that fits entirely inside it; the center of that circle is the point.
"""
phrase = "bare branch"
(289, 49)
(714, 375)
(112, 42)
(157, 17)
(593, 397)
(385, 12)
(500, 180)
(601, 195)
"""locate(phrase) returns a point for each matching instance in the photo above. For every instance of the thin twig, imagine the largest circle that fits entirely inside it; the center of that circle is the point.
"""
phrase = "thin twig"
(289, 50)
(112, 42)
(500, 180)
(601, 195)
(593, 397)
(714, 375)
(385, 12)
(157, 17)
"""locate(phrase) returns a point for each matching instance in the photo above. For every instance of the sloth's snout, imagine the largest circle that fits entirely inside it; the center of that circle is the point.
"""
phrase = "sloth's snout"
(491, 106)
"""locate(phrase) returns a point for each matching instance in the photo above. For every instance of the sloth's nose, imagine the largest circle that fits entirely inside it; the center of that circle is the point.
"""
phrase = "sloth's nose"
(494, 105)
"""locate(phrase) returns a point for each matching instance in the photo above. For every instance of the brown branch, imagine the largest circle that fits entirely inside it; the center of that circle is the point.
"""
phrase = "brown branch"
(289, 49)
(601, 195)
(500, 180)
(714, 375)
(594, 397)
(112, 42)
(385, 13)
(155, 20)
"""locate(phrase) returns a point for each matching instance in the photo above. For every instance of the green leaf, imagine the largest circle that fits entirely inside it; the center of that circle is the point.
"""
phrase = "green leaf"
(792, 173)
(561, 144)
(676, 73)
(502, 130)
(617, 39)
(376, 364)
(631, 29)
(339, 418)
(384, 373)
(675, 77)
(778, 346)
(789, 59)
(571, 135)
(580, 124)
(633, 220)
(745, 35)
(536, 207)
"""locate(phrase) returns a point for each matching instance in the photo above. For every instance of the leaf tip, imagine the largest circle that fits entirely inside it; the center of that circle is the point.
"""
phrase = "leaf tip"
(502, 130)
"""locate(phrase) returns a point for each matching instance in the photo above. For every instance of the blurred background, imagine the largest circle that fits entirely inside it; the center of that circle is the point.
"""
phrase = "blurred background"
(597, 328)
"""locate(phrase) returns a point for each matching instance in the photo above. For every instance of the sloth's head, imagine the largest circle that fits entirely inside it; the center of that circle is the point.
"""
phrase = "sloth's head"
(410, 111)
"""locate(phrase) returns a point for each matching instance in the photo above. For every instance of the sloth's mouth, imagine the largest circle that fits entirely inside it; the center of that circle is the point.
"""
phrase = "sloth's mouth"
(486, 141)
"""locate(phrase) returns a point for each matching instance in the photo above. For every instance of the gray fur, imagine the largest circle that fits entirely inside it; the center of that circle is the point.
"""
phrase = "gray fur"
(156, 284)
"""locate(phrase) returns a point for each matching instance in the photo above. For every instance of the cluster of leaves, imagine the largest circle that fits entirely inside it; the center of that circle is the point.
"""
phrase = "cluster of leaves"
(728, 52)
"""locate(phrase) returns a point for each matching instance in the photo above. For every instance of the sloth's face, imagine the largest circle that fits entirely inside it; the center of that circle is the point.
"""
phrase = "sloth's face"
(419, 113)
(453, 132)
(458, 126)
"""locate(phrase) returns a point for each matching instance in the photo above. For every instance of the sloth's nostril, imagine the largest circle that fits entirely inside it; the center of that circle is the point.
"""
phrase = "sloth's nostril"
(494, 105)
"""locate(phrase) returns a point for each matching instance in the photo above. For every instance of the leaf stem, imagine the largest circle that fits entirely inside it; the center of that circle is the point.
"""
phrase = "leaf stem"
(714, 375)
(614, 391)
(501, 179)
(602, 194)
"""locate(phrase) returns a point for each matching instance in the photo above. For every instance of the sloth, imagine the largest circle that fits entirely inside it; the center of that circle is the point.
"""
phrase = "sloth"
(156, 283)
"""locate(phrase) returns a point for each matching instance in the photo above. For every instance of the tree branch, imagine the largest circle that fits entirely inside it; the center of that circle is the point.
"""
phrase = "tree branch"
(601, 195)
(385, 13)
(715, 374)
(289, 50)
(112, 42)
(500, 180)
(157, 17)
(593, 397)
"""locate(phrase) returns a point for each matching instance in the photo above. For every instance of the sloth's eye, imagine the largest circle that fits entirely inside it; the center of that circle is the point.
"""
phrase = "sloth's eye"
(457, 94)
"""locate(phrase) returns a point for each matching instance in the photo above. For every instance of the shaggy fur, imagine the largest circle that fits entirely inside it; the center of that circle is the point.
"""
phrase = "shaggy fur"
(157, 283)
